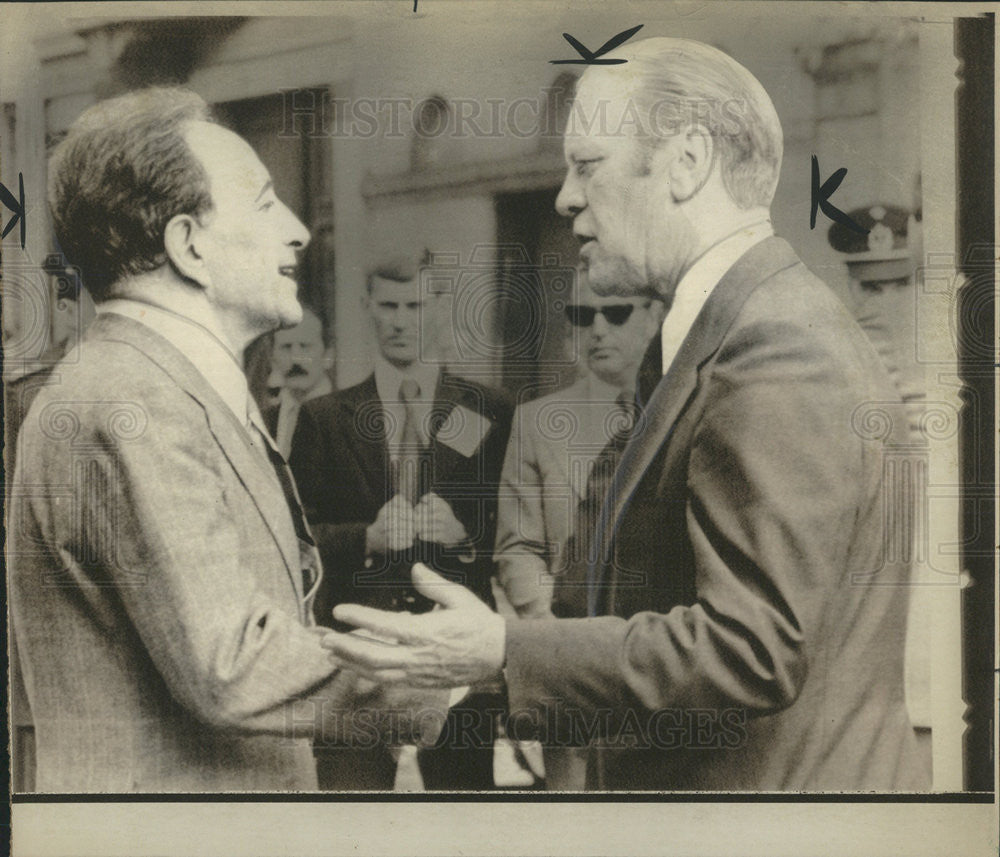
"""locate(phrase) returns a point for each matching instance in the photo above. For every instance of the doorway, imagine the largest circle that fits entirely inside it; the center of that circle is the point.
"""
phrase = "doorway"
(537, 261)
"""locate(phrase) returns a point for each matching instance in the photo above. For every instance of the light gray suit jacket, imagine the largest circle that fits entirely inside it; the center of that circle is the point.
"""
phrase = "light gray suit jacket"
(553, 443)
(159, 589)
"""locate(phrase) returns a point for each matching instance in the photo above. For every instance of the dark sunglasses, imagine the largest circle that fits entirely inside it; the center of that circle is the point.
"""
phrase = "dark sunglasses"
(583, 316)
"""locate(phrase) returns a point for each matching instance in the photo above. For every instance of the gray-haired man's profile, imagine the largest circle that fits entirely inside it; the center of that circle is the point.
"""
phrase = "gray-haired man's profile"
(161, 570)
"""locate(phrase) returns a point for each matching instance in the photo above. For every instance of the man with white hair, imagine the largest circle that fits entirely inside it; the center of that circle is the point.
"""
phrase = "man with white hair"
(747, 617)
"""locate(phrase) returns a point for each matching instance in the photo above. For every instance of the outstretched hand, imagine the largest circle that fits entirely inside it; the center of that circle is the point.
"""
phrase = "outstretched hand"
(460, 643)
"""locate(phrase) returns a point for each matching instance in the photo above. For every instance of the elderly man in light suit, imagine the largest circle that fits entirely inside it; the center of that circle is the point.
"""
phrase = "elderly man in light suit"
(747, 621)
(161, 571)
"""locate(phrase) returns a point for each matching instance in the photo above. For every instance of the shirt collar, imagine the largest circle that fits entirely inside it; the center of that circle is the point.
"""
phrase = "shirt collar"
(389, 377)
(700, 281)
(196, 339)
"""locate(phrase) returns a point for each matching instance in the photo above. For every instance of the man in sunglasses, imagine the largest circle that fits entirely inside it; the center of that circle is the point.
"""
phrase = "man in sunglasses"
(747, 606)
(545, 473)
(547, 476)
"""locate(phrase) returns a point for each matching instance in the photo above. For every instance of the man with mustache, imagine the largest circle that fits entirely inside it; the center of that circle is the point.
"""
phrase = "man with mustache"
(747, 617)
(302, 365)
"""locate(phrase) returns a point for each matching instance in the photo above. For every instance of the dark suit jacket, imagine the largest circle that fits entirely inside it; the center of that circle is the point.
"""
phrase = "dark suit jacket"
(270, 417)
(755, 619)
(161, 597)
(340, 459)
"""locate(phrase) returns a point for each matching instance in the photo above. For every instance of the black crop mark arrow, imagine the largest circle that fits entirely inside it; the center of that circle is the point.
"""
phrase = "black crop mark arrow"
(15, 205)
(590, 57)
(821, 196)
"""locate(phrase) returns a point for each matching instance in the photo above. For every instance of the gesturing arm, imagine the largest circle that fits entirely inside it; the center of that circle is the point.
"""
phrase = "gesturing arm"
(772, 487)
(771, 493)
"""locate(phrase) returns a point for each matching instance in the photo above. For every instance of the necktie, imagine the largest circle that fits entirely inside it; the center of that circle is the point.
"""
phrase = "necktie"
(650, 371)
(262, 440)
(408, 462)
(572, 588)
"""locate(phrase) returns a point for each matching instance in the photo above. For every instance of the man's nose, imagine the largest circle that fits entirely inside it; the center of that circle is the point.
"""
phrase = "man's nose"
(600, 326)
(570, 200)
(297, 235)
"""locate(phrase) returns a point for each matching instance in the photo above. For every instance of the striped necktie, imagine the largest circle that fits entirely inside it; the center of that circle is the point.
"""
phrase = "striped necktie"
(409, 464)
(262, 440)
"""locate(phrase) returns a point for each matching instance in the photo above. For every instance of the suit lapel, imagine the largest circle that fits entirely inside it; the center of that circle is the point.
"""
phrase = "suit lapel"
(650, 371)
(365, 436)
(450, 394)
(252, 469)
(671, 393)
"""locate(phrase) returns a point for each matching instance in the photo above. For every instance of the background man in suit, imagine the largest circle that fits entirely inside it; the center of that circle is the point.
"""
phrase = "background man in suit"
(543, 490)
(302, 366)
(748, 619)
(161, 570)
(545, 473)
(404, 467)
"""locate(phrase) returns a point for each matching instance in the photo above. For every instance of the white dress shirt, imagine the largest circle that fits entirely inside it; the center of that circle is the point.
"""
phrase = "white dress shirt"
(700, 281)
(288, 412)
(388, 379)
(199, 342)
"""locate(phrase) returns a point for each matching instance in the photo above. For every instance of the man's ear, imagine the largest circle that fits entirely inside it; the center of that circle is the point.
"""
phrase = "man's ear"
(180, 241)
(691, 161)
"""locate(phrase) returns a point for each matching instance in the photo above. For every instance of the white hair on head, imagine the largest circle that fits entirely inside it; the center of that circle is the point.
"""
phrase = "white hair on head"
(678, 83)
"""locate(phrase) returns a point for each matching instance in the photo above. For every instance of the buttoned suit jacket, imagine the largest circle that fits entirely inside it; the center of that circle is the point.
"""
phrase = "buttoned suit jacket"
(553, 444)
(160, 592)
(754, 599)
(340, 458)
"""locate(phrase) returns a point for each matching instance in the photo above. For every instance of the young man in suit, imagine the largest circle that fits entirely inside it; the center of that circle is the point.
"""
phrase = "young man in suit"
(402, 468)
(161, 570)
(747, 620)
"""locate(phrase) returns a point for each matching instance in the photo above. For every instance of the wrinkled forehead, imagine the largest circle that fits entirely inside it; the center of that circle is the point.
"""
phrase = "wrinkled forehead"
(392, 291)
(604, 105)
(230, 163)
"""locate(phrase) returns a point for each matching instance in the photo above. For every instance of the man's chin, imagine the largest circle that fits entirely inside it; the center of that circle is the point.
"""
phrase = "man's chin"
(613, 280)
(289, 317)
